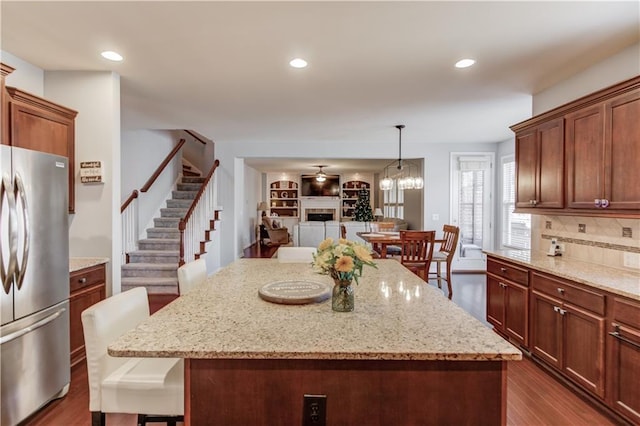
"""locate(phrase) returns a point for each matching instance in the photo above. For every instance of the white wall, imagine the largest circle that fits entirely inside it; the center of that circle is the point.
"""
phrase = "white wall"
(142, 152)
(619, 67)
(26, 76)
(603, 242)
(95, 227)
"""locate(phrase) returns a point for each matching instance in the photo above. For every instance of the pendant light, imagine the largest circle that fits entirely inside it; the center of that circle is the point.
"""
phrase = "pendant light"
(405, 173)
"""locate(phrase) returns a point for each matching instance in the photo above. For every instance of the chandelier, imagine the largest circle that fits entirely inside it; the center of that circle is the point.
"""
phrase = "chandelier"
(405, 173)
(321, 176)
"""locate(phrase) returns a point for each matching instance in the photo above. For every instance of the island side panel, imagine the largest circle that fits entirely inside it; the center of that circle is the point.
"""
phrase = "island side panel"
(371, 392)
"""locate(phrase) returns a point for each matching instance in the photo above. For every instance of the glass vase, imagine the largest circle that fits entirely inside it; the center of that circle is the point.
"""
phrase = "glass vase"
(342, 296)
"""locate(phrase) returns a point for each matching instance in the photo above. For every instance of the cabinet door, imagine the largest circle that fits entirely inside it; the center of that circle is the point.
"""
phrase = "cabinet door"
(550, 184)
(526, 167)
(624, 371)
(495, 302)
(78, 302)
(517, 313)
(622, 151)
(583, 345)
(546, 329)
(585, 157)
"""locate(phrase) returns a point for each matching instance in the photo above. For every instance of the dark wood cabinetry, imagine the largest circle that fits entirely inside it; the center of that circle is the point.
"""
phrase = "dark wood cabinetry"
(87, 287)
(540, 166)
(568, 330)
(508, 300)
(31, 122)
(603, 154)
(4, 109)
(583, 157)
(624, 359)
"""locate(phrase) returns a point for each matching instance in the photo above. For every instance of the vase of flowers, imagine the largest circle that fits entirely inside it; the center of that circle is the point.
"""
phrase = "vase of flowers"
(343, 261)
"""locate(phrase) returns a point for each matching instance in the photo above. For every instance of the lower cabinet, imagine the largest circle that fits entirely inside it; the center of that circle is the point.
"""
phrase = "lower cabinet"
(568, 330)
(508, 300)
(624, 359)
(87, 287)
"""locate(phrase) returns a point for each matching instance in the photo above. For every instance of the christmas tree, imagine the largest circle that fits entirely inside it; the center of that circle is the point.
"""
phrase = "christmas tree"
(363, 211)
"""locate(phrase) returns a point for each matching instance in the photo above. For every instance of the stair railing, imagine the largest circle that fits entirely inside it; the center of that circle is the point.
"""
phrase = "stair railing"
(197, 219)
(129, 213)
(129, 209)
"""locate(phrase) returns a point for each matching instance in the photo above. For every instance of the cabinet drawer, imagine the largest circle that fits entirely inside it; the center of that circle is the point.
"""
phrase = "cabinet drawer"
(508, 271)
(569, 293)
(626, 312)
(86, 277)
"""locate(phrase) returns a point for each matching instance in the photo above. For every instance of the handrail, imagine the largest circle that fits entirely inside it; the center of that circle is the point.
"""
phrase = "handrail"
(133, 196)
(195, 136)
(182, 225)
(161, 167)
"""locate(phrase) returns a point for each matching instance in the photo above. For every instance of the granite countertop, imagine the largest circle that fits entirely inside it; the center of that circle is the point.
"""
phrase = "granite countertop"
(77, 263)
(613, 280)
(397, 317)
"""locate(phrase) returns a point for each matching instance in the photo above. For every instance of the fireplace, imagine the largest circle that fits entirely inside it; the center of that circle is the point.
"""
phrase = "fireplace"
(320, 217)
(320, 209)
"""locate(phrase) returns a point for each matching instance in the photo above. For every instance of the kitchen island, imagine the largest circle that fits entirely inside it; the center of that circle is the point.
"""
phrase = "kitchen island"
(406, 355)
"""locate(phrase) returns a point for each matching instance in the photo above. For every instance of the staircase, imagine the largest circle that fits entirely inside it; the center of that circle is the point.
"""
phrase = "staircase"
(155, 264)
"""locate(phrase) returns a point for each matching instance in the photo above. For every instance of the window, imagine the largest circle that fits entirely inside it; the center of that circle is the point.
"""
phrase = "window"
(393, 203)
(516, 227)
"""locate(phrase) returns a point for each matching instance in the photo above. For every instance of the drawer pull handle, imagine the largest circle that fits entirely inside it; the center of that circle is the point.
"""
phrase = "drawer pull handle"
(619, 336)
(503, 285)
(503, 269)
(560, 290)
(82, 280)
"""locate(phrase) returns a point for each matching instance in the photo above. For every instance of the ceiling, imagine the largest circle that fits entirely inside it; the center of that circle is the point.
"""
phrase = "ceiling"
(221, 68)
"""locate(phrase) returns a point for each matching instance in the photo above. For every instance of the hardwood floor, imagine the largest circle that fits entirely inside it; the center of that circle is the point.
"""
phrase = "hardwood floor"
(534, 398)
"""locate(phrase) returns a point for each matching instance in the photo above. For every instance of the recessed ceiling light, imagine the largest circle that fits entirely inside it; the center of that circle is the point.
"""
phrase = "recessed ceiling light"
(464, 63)
(298, 63)
(112, 56)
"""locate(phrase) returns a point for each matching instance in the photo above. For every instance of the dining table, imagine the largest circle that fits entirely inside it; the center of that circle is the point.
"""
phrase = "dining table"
(405, 355)
(381, 240)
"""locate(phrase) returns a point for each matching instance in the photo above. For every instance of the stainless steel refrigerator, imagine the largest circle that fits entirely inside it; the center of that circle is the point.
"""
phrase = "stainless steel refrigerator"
(34, 269)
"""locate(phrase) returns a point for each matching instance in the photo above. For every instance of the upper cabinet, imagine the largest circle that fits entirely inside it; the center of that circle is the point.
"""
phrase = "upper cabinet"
(34, 123)
(540, 163)
(583, 157)
(603, 154)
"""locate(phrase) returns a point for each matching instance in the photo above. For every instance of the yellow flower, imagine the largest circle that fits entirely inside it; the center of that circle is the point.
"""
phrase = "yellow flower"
(344, 264)
(344, 241)
(362, 253)
(325, 244)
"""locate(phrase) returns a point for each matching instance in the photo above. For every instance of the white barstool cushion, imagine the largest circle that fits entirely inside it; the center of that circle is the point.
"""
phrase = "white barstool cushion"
(191, 274)
(296, 254)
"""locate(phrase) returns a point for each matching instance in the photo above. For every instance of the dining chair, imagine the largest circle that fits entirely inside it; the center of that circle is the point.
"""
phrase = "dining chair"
(417, 251)
(448, 245)
(191, 274)
(343, 232)
(295, 254)
(153, 388)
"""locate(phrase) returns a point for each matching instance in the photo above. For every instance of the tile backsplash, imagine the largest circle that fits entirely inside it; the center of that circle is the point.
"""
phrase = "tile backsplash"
(604, 241)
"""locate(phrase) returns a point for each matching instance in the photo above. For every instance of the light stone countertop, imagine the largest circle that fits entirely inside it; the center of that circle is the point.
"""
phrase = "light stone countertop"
(77, 263)
(616, 281)
(397, 317)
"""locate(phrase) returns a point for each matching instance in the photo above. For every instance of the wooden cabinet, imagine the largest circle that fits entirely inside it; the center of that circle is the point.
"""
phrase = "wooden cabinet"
(508, 300)
(568, 330)
(40, 125)
(540, 166)
(87, 287)
(283, 198)
(4, 109)
(603, 154)
(582, 157)
(350, 190)
(624, 359)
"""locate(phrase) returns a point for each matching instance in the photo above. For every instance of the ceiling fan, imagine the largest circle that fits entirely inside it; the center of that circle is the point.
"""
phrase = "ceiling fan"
(321, 176)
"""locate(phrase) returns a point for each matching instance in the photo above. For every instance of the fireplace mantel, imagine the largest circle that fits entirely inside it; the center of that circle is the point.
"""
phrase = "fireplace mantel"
(320, 205)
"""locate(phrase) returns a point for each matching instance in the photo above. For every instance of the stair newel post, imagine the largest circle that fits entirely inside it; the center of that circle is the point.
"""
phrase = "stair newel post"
(181, 227)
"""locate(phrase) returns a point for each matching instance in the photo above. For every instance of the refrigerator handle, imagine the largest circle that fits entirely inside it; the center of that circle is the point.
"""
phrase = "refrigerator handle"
(20, 271)
(6, 192)
(32, 327)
